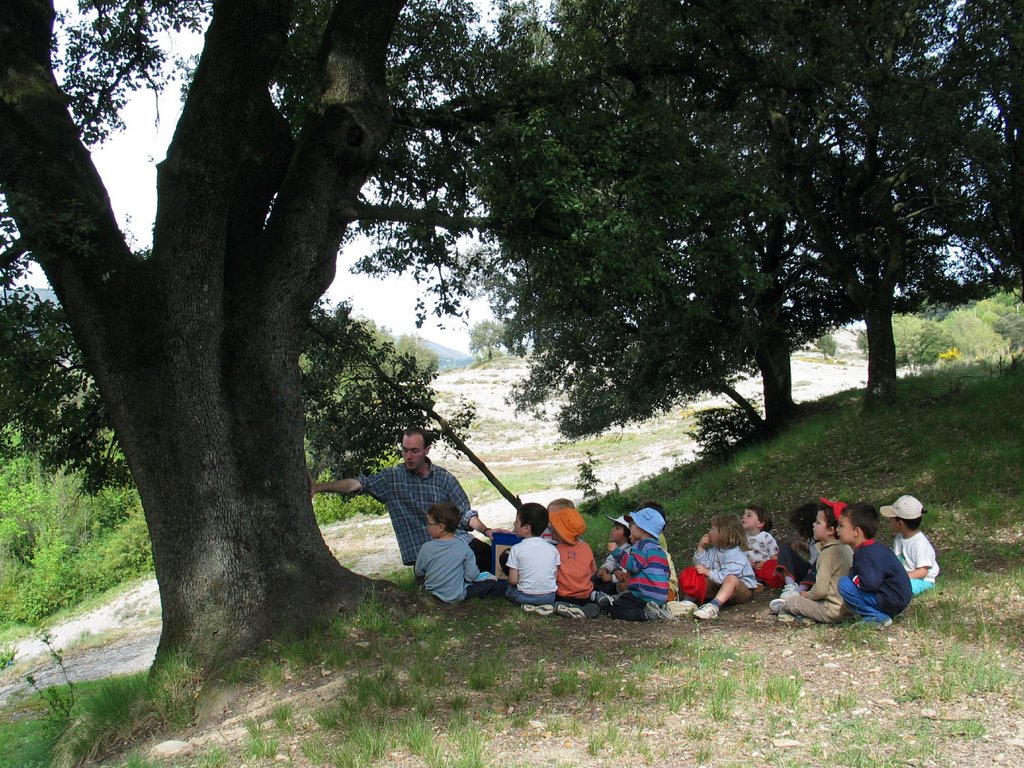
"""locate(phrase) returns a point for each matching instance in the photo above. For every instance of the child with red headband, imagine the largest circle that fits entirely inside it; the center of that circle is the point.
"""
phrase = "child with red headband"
(797, 571)
(822, 602)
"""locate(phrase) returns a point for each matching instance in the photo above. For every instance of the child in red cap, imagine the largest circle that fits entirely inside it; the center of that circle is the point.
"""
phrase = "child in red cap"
(822, 602)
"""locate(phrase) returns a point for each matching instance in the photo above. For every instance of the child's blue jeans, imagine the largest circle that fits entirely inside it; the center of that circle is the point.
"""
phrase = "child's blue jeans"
(864, 604)
(523, 598)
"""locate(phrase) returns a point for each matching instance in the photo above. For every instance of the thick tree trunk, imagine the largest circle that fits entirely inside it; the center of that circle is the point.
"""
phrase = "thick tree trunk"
(881, 353)
(216, 451)
(195, 346)
(773, 361)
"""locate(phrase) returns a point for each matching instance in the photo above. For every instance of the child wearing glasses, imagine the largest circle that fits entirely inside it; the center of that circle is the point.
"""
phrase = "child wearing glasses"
(446, 563)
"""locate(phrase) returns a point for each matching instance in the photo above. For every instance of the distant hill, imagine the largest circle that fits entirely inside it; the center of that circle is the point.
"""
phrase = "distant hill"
(448, 357)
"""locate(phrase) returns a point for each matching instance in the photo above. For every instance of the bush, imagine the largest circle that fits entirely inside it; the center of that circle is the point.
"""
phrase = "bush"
(59, 544)
(720, 431)
(330, 507)
(975, 339)
(52, 583)
(919, 342)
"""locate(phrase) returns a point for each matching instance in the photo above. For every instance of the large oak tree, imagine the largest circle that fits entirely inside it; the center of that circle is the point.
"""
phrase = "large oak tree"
(195, 346)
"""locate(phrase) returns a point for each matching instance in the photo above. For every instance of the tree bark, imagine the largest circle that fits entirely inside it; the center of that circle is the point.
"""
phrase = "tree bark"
(881, 353)
(195, 348)
(773, 361)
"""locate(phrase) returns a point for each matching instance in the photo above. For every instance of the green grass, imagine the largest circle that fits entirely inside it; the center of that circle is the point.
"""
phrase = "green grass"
(443, 687)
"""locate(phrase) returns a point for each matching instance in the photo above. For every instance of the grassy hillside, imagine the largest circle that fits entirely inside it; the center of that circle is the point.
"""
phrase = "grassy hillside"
(487, 685)
(954, 441)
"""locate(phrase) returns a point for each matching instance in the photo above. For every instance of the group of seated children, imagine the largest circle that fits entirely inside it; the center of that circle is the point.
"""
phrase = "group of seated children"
(838, 572)
(849, 573)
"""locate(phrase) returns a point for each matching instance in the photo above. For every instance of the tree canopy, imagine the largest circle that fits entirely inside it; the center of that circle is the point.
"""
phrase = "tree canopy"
(671, 195)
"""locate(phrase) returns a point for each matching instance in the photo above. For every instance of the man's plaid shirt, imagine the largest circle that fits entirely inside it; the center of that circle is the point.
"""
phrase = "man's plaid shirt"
(407, 496)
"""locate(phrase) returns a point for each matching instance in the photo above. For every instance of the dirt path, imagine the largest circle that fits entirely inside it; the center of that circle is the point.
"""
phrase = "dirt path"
(121, 636)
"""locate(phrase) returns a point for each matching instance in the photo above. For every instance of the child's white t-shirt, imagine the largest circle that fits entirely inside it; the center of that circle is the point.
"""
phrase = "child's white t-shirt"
(916, 552)
(537, 561)
(763, 546)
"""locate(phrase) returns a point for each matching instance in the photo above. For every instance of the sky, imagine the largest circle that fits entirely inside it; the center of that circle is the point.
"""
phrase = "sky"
(127, 164)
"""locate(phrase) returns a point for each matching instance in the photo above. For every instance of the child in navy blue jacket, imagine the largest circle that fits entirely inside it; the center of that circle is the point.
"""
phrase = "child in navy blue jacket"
(877, 587)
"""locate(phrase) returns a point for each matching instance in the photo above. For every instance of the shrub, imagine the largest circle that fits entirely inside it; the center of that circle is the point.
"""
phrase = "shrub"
(330, 507)
(975, 339)
(720, 431)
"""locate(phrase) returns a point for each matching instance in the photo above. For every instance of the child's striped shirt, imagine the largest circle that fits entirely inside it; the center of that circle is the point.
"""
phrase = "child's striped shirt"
(647, 566)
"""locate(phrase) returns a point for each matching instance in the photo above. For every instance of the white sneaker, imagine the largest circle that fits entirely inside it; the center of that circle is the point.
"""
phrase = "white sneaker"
(540, 610)
(706, 612)
(789, 589)
(776, 606)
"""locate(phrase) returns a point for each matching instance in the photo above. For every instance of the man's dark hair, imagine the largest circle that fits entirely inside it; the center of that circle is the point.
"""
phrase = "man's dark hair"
(428, 438)
(762, 516)
(535, 516)
(864, 516)
(447, 514)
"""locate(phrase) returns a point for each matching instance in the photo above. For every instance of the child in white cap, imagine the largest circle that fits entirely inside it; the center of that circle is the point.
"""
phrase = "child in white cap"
(912, 547)
(605, 580)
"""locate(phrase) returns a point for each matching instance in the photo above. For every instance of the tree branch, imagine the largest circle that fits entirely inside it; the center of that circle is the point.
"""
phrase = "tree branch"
(400, 214)
(743, 403)
(224, 104)
(342, 135)
(51, 186)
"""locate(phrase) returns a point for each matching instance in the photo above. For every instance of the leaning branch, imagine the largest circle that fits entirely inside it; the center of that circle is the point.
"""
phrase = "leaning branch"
(399, 214)
(448, 431)
(744, 405)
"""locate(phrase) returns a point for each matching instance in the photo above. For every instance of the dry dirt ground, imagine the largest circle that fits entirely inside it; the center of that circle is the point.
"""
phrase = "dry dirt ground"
(121, 637)
(848, 677)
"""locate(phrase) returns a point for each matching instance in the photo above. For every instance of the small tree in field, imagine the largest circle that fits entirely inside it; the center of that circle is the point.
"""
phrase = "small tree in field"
(826, 345)
(486, 339)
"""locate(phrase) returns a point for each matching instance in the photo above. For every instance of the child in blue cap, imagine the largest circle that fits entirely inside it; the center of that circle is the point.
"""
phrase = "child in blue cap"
(646, 570)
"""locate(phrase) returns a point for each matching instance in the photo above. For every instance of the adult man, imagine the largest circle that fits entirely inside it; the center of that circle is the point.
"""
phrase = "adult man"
(407, 489)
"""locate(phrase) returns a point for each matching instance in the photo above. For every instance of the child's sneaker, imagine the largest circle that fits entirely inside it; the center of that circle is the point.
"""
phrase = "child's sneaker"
(789, 589)
(604, 602)
(655, 612)
(776, 606)
(570, 611)
(706, 612)
(540, 610)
